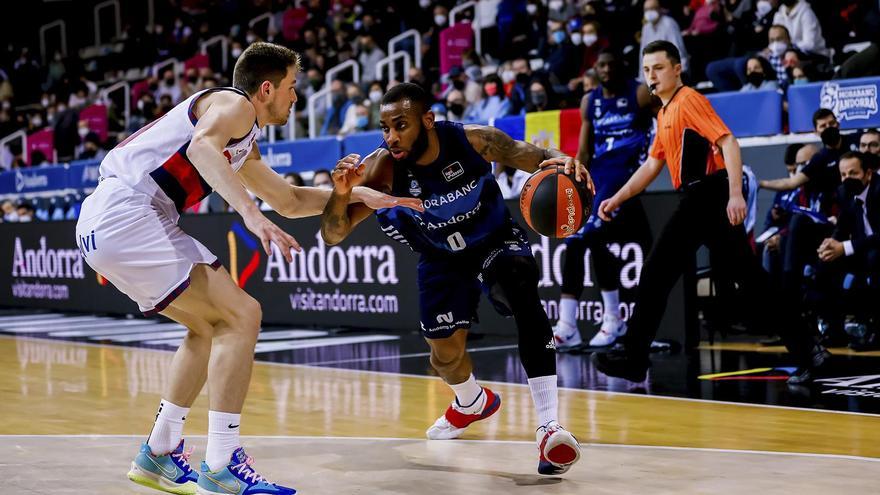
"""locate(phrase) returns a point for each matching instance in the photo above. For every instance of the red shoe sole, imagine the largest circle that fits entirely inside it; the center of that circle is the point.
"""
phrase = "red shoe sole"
(561, 454)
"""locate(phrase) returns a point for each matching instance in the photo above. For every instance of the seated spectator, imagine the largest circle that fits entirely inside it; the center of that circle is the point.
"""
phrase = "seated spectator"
(323, 179)
(558, 55)
(854, 247)
(728, 74)
(806, 34)
(455, 106)
(869, 144)
(10, 214)
(25, 212)
(369, 55)
(539, 97)
(493, 105)
(659, 26)
(760, 75)
(38, 159)
(91, 148)
(594, 41)
(357, 120)
(705, 37)
(335, 115)
(519, 90)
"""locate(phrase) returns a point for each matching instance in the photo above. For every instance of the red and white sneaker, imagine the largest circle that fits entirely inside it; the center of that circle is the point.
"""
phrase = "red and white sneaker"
(453, 423)
(558, 448)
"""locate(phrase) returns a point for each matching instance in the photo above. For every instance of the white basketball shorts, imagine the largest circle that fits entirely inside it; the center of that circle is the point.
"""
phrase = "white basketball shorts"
(133, 240)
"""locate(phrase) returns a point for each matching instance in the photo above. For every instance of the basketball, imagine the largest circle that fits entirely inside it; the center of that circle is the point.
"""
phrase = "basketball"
(555, 204)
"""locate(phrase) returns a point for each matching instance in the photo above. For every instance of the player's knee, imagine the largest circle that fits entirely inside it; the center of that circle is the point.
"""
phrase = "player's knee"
(246, 315)
(446, 357)
(517, 274)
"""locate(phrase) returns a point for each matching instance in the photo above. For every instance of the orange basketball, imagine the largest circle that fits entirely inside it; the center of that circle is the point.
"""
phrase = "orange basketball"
(555, 204)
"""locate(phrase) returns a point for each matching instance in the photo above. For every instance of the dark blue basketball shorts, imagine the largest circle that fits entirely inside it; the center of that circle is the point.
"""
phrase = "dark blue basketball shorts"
(450, 285)
(608, 179)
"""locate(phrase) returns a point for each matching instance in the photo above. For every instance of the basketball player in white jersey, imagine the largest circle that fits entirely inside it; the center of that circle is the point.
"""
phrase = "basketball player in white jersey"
(127, 231)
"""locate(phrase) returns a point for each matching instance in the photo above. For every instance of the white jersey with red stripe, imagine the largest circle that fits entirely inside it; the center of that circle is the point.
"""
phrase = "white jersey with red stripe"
(153, 160)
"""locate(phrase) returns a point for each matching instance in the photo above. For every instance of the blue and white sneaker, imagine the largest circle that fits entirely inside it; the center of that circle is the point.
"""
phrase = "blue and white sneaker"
(238, 478)
(168, 473)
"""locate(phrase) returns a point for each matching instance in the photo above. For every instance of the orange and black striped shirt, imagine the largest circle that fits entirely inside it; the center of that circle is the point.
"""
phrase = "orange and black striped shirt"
(687, 130)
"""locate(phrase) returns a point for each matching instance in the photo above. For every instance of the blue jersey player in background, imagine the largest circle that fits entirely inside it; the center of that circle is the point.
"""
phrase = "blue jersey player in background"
(468, 243)
(616, 121)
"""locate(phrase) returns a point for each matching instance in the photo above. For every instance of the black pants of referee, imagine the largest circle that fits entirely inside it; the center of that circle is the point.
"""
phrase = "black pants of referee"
(701, 219)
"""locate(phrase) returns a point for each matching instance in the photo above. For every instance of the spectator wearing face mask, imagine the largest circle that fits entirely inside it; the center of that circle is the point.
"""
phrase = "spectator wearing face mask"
(728, 74)
(760, 75)
(493, 105)
(658, 26)
(370, 55)
(522, 72)
(539, 97)
(455, 106)
(358, 120)
(168, 86)
(593, 42)
(560, 52)
(806, 34)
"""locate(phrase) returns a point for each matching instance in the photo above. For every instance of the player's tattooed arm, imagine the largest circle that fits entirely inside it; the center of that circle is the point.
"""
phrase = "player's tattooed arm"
(495, 145)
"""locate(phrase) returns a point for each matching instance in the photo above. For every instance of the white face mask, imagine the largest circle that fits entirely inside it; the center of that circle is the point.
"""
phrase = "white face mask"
(507, 76)
(236, 52)
(652, 15)
(82, 131)
(250, 38)
(590, 39)
(532, 9)
(763, 8)
(375, 96)
(777, 48)
(37, 121)
(440, 20)
(577, 38)
(555, 4)
(44, 102)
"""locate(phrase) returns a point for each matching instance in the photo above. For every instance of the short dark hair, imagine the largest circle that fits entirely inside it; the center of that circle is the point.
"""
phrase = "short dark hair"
(870, 130)
(322, 171)
(822, 113)
(858, 156)
(791, 152)
(658, 46)
(263, 62)
(408, 91)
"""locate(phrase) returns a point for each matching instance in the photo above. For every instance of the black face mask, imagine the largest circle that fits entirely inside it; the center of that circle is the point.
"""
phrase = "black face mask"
(458, 84)
(853, 186)
(755, 78)
(539, 99)
(830, 136)
(522, 79)
(457, 109)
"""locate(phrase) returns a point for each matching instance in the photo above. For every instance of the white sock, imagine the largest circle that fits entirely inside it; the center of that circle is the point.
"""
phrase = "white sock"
(469, 395)
(223, 438)
(168, 429)
(568, 309)
(611, 301)
(544, 394)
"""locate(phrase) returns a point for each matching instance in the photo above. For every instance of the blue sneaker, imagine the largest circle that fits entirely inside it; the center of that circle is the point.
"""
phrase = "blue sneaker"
(238, 478)
(169, 473)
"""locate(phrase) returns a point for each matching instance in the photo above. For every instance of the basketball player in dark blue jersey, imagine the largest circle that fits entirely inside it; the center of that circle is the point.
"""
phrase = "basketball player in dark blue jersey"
(616, 121)
(468, 242)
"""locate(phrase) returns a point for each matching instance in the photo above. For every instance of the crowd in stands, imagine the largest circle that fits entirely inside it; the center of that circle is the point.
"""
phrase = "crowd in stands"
(537, 55)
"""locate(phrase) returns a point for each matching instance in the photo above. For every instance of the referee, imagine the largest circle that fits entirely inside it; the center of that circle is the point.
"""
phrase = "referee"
(704, 161)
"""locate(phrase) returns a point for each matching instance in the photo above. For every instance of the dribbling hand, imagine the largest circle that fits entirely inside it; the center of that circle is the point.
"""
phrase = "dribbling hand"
(571, 165)
(348, 173)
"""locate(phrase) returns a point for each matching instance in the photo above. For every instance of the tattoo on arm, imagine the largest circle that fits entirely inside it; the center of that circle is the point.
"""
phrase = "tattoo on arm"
(335, 221)
(497, 146)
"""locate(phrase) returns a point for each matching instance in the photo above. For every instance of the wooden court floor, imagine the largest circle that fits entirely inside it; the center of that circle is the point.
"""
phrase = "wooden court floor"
(73, 415)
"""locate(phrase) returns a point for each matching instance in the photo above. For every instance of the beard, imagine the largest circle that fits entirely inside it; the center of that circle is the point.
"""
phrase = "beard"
(420, 145)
